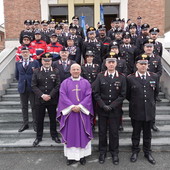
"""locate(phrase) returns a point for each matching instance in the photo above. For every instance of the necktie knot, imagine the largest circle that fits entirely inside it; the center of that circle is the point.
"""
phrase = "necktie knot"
(111, 76)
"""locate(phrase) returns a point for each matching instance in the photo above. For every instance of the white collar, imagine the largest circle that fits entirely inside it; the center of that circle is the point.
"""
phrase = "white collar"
(142, 74)
(113, 74)
(76, 79)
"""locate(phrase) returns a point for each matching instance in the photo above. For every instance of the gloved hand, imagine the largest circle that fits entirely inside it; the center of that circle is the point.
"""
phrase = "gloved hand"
(107, 108)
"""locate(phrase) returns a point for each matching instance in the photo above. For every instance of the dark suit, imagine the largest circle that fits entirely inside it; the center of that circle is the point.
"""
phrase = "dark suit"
(24, 77)
(46, 83)
(112, 92)
(64, 73)
(142, 95)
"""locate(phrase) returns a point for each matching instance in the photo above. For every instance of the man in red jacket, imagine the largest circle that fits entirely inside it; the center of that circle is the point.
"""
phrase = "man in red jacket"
(54, 47)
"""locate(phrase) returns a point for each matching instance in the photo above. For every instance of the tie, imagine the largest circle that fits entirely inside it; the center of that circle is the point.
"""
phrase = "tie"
(25, 65)
(47, 70)
(111, 76)
(64, 65)
(143, 79)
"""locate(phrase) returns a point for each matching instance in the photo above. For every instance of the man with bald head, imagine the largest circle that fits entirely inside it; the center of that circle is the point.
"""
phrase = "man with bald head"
(75, 115)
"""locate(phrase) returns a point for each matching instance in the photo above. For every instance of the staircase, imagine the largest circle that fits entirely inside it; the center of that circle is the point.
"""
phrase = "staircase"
(11, 120)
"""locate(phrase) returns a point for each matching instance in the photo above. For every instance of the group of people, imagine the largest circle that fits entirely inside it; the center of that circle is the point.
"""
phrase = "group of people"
(77, 78)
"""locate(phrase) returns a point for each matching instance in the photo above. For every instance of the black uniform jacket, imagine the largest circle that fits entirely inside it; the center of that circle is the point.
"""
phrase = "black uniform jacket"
(142, 96)
(46, 83)
(108, 91)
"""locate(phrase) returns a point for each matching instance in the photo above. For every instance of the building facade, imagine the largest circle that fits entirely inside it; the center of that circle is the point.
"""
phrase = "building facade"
(16, 11)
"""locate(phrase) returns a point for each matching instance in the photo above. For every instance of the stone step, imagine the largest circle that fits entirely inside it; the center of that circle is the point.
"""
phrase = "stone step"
(12, 91)
(13, 133)
(16, 104)
(13, 85)
(161, 144)
(160, 110)
(16, 121)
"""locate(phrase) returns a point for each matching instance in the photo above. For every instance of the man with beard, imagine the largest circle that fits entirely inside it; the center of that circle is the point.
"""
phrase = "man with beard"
(142, 38)
(103, 38)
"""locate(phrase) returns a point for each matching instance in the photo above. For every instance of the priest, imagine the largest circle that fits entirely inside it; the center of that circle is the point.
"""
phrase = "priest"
(75, 115)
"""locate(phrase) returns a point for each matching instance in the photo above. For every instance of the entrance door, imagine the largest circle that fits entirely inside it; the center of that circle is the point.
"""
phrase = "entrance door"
(59, 13)
(108, 19)
(110, 12)
(88, 12)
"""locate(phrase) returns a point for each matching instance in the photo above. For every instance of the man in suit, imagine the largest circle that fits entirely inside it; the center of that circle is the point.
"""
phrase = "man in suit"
(64, 64)
(24, 71)
(142, 90)
(45, 84)
(109, 92)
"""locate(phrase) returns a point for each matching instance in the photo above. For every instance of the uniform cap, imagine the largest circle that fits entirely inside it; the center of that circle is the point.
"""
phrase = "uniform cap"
(91, 30)
(75, 17)
(142, 59)
(89, 53)
(25, 48)
(154, 30)
(145, 26)
(46, 56)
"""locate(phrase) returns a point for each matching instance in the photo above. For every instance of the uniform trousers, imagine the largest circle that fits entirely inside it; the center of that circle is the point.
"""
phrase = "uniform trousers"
(41, 110)
(111, 123)
(138, 126)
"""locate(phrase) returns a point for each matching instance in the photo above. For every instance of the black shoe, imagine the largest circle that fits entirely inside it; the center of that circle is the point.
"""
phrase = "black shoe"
(150, 159)
(102, 158)
(115, 160)
(69, 162)
(158, 99)
(83, 161)
(155, 128)
(121, 128)
(23, 127)
(134, 157)
(36, 142)
(56, 139)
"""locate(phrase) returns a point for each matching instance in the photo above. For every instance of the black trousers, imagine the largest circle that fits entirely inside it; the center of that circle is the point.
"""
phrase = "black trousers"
(41, 110)
(111, 123)
(137, 127)
(25, 97)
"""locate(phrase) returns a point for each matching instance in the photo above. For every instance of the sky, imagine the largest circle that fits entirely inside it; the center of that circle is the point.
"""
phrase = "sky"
(1, 12)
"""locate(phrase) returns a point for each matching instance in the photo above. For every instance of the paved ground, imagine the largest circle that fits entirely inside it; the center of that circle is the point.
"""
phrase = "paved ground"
(29, 159)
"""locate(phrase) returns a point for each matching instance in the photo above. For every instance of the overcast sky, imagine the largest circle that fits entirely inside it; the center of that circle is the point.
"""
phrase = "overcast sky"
(1, 12)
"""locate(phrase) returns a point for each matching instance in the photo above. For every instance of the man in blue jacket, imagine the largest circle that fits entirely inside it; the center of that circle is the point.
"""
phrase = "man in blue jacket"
(24, 71)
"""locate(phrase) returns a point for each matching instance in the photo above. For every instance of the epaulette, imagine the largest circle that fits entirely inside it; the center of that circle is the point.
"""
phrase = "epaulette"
(131, 74)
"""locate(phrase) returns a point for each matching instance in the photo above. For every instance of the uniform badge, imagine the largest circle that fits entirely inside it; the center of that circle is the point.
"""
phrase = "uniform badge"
(155, 63)
(53, 77)
(117, 84)
(153, 84)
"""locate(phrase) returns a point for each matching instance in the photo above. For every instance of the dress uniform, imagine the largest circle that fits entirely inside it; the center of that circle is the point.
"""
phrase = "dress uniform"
(128, 53)
(24, 71)
(45, 84)
(74, 51)
(60, 37)
(27, 31)
(111, 32)
(142, 90)
(132, 31)
(157, 45)
(109, 91)
(45, 31)
(78, 41)
(63, 64)
(92, 44)
(141, 39)
(79, 29)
